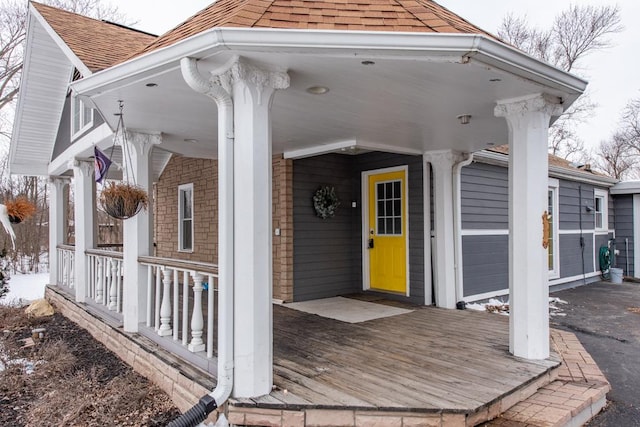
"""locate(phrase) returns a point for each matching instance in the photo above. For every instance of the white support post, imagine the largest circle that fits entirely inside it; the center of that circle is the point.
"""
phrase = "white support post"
(252, 90)
(84, 190)
(528, 123)
(442, 162)
(137, 234)
(165, 307)
(58, 220)
(113, 285)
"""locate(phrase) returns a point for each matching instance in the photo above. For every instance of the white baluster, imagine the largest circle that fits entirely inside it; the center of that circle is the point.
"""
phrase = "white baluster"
(185, 308)
(99, 280)
(156, 325)
(72, 266)
(119, 286)
(113, 285)
(149, 293)
(165, 308)
(210, 316)
(197, 322)
(176, 304)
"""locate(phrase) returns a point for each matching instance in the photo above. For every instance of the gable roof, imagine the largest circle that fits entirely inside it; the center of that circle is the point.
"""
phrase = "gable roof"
(364, 15)
(97, 44)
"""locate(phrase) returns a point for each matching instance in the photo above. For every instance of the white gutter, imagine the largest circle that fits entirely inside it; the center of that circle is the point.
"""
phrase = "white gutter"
(225, 218)
(420, 46)
(457, 227)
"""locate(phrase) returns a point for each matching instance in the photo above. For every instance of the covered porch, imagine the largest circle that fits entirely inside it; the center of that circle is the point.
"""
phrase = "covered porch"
(428, 366)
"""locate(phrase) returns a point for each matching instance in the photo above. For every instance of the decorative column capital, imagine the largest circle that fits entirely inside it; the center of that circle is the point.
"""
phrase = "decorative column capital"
(537, 103)
(59, 181)
(443, 158)
(239, 70)
(83, 167)
(143, 141)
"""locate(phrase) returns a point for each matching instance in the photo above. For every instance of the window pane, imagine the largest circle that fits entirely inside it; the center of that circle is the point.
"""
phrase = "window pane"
(396, 190)
(396, 208)
(598, 219)
(186, 207)
(187, 238)
(76, 116)
(388, 190)
(86, 115)
(381, 227)
(389, 208)
(397, 226)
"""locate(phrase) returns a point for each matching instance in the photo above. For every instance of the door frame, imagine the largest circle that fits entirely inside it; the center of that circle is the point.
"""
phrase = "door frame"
(366, 277)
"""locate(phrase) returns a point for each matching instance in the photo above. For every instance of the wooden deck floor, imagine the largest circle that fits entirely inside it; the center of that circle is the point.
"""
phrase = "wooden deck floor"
(430, 360)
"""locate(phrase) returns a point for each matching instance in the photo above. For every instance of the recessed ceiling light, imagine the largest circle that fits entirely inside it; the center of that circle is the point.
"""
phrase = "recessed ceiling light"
(495, 80)
(318, 90)
(368, 63)
(191, 140)
(151, 85)
(464, 119)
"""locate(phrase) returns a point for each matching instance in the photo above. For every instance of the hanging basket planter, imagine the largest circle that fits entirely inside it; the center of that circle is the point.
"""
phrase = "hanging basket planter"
(123, 200)
(19, 209)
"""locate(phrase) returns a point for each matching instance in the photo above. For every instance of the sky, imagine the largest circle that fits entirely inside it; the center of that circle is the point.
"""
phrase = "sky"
(612, 74)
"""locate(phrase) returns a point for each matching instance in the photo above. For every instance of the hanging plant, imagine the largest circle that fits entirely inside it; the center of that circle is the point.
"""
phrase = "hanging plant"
(19, 209)
(125, 199)
(325, 202)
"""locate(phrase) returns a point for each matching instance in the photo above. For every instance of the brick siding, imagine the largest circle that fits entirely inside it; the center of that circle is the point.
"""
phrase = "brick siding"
(203, 173)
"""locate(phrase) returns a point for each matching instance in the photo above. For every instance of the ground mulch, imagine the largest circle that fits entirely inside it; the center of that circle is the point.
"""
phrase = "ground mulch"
(67, 378)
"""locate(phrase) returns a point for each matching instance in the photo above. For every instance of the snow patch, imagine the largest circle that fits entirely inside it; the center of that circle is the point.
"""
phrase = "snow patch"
(24, 288)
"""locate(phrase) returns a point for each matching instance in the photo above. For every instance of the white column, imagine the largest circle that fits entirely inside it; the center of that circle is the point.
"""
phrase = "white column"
(137, 234)
(442, 162)
(528, 122)
(252, 90)
(58, 221)
(84, 209)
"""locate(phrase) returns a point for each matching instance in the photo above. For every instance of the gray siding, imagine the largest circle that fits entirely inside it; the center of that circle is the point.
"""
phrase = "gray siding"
(623, 217)
(571, 212)
(485, 196)
(323, 255)
(571, 254)
(63, 138)
(328, 253)
(485, 261)
(601, 240)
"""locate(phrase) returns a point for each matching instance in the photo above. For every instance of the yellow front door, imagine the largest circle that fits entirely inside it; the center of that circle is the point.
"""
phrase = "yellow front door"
(386, 240)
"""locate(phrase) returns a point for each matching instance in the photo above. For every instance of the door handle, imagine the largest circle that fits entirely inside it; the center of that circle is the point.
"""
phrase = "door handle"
(370, 243)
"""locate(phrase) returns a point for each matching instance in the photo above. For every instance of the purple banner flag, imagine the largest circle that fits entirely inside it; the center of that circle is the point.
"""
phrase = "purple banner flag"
(102, 164)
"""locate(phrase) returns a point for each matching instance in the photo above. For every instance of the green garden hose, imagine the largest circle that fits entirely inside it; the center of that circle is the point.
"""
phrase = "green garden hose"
(605, 262)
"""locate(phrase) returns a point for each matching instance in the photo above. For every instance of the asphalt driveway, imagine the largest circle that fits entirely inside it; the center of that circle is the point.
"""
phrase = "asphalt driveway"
(606, 319)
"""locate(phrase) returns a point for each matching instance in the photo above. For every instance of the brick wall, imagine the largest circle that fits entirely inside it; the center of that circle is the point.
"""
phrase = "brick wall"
(203, 174)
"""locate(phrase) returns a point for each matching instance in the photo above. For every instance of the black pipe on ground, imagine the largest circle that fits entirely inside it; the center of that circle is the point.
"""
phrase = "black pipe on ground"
(197, 414)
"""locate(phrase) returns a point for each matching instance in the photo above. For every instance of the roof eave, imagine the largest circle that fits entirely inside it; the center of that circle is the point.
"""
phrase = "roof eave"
(460, 47)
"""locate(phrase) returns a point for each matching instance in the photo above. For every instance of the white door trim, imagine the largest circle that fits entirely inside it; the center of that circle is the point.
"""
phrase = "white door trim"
(366, 277)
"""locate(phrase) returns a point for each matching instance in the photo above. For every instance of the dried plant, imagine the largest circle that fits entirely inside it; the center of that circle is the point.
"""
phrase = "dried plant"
(123, 200)
(19, 209)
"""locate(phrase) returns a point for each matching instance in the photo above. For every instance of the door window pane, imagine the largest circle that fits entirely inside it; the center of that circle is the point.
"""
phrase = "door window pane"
(389, 207)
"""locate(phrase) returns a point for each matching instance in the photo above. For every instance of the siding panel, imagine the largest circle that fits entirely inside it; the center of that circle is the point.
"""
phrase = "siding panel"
(485, 197)
(485, 261)
(623, 216)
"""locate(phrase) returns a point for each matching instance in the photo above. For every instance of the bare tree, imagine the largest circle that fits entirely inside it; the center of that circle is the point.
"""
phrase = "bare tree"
(574, 34)
(615, 157)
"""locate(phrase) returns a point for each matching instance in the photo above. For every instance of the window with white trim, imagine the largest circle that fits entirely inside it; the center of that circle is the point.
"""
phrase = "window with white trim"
(552, 249)
(600, 201)
(185, 218)
(81, 116)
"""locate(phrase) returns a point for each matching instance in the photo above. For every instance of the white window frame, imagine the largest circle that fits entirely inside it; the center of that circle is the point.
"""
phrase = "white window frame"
(604, 195)
(82, 126)
(182, 189)
(554, 186)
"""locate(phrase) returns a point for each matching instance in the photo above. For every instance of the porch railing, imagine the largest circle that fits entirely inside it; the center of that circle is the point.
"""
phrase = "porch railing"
(181, 302)
(66, 264)
(105, 281)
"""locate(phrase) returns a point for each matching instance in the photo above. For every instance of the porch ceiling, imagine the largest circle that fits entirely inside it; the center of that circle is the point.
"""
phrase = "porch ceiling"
(404, 101)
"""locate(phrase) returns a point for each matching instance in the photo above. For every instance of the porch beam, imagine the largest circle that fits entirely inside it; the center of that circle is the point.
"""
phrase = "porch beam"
(442, 163)
(252, 90)
(528, 123)
(58, 222)
(137, 233)
(85, 227)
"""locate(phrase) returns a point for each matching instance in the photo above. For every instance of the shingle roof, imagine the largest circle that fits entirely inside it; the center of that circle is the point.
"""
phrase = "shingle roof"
(367, 15)
(98, 44)
(554, 161)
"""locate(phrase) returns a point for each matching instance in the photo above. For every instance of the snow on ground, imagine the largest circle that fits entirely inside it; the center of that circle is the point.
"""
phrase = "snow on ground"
(502, 307)
(25, 287)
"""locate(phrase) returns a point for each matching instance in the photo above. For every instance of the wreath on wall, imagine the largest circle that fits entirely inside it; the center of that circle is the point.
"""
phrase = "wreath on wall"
(325, 202)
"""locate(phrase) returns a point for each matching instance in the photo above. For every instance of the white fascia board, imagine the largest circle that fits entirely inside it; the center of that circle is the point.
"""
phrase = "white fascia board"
(492, 52)
(626, 187)
(29, 169)
(343, 146)
(417, 46)
(61, 44)
(499, 159)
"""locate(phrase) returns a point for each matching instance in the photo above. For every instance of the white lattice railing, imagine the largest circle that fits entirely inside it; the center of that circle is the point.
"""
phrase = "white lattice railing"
(104, 278)
(181, 301)
(66, 264)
